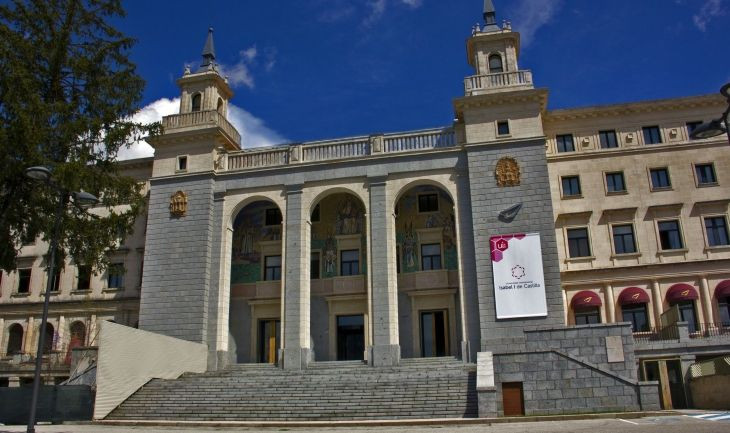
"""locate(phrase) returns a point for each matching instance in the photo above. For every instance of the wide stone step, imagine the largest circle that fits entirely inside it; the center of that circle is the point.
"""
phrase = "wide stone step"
(435, 388)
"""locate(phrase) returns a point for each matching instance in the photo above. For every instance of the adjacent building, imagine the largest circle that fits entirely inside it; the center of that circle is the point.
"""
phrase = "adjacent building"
(386, 247)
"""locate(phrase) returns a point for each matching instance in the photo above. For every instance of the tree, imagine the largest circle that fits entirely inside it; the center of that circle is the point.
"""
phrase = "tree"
(68, 91)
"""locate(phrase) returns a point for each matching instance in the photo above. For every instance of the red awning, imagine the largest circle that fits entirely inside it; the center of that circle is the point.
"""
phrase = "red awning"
(586, 299)
(632, 296)
(682, 292)
(723, 290)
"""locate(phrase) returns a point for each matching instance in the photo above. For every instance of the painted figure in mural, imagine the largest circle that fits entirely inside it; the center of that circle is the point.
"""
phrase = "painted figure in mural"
(247, 233)
(348, 218)
(409, 246)
(330, 256)
(449, 232)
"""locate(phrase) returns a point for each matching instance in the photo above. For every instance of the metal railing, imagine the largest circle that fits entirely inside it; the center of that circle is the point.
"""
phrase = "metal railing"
(199, 118)
(657, 334)
(684, 331)
(496, 81)
(709, 330)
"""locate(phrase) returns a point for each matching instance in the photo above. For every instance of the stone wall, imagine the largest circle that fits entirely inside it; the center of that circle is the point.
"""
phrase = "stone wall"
(711, 392)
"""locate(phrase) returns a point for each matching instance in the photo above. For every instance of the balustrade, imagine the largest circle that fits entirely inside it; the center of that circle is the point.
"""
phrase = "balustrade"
(199, 118)
(476, 83)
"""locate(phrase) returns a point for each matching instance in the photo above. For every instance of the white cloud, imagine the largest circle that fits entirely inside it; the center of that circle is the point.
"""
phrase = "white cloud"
(413, 3)
(709, 10)
(377, 9)
(372, 10)
(254, 132)
(240, 73)
(531, 15)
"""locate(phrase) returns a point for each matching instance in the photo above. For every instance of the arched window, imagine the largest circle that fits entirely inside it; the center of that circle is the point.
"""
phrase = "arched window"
(197, 102)
(48, 343)
(78, 339)
(495, 64)
(586, 308)
(15, 339)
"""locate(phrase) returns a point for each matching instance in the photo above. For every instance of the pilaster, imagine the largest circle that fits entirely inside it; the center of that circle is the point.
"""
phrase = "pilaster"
(385, 350)
(656, 301)
(610, 303)
(706, 300)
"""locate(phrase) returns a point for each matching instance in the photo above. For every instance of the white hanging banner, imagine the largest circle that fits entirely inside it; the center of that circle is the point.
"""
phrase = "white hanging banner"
(519, 281)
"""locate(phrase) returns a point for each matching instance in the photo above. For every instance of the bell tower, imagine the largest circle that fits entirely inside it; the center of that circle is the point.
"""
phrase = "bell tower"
(205, 89)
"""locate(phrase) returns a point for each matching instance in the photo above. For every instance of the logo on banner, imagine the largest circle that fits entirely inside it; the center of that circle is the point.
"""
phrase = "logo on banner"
(518, 272)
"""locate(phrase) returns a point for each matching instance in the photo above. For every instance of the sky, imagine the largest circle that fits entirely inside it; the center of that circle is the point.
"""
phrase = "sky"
(318, 69)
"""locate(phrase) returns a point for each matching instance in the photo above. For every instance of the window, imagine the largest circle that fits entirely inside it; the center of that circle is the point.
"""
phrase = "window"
(55, 287)
(691, 126)
(273, 217)
(428, 203)
(15, 339)
(48, 341)
(503, 128)
(705, 174)
(565, 143)
(608, 139)
(115, 276)
(27, 239)
(636, 314)
(615, 182)
(315, 214)
(24, 280)
(84, 281)
(623, 239)
(670, 237)
(430, 257)
(717, 234)
(197, 102)
(182, 163)
(349, 262)
(587, 316)
(272, 268)
(724, 305)
(578, 243)
(495, 64)
(687, 314)
(314, 266)
(571, 186)
(660, 178)
(652, 135)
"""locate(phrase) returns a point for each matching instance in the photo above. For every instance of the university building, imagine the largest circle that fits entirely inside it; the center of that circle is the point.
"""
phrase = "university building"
(520, 261)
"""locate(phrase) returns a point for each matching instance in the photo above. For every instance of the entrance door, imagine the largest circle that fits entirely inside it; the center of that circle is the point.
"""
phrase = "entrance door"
(269, 331)
(350, 338)
(512, 399)
(676, 384)
(434, 332)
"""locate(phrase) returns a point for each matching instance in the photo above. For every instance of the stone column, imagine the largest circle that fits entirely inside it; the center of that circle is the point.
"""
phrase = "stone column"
(565, 305)
(2, 336)
(657, 302)
(93, 327)
(687, 361)
(61, 332)
(297, 352)
(706, 299)
(465, 350)
(610, 303)
(29, 331)
(385, 350)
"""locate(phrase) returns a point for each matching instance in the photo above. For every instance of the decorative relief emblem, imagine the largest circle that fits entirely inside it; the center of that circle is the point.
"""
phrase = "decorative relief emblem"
(635, 296)
(507, 172)
(588, 300)
(179, 204)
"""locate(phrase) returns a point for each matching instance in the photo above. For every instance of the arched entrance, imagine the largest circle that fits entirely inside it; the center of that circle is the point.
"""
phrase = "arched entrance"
(338, 278)
(427, 265)
(15, 339)
(256, 281)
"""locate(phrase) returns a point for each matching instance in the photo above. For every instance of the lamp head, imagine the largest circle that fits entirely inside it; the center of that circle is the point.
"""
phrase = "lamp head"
(38, 173)
(709, 130)
(84, 199)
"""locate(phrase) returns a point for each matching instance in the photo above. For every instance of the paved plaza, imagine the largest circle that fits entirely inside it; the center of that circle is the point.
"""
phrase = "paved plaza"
(694, 422)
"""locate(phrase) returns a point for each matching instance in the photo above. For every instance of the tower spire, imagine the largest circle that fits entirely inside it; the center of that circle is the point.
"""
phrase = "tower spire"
(490, 16)
(208, 52)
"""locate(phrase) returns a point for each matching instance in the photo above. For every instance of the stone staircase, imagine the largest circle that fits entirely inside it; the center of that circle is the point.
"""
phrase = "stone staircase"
(418, 388)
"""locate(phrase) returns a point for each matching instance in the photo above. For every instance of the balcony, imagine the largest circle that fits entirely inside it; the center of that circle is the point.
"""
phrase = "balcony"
(210, 118)
(493, 83)
(706, 334)
(343, 149)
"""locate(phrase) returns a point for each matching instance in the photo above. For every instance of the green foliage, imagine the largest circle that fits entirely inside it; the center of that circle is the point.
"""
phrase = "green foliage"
(67, 93)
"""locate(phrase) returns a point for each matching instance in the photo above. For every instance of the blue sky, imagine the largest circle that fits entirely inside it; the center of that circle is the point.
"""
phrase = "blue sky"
(314, 69)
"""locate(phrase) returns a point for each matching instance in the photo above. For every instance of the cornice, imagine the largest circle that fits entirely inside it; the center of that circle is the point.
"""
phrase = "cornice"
(539, 95)
(654, 148)
(633, 108)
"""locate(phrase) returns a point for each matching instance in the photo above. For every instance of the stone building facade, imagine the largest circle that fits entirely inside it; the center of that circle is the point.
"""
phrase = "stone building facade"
(376, 248)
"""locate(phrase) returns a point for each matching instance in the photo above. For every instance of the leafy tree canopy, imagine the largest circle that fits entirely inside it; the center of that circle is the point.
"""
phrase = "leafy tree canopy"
(68, 91)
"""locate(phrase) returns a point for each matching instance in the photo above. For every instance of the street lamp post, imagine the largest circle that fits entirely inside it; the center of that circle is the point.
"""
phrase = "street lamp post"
(43, 174)
(716, 127)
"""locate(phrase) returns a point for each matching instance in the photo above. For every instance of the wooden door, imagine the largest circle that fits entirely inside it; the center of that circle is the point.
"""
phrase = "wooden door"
(513, 399)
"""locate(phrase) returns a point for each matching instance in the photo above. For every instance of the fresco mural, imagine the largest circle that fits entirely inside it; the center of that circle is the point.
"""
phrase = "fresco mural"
(248, 230)
(409, 221)
(339, 214)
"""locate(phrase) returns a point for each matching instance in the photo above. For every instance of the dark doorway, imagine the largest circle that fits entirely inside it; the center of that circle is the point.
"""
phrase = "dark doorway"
(434, 331)
(350, 338)
(676, 384)
(269, 330)
(513, 399)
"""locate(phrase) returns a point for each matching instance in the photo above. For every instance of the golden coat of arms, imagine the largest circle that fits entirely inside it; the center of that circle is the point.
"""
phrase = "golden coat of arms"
(507, 172)
(179, 204)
